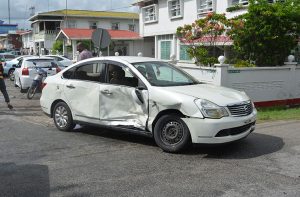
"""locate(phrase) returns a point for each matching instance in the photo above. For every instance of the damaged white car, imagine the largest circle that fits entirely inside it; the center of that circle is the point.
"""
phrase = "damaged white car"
(147, 96)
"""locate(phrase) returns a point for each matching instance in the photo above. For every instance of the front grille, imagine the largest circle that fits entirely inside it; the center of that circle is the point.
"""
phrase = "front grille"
(235, 130)
(244, 109)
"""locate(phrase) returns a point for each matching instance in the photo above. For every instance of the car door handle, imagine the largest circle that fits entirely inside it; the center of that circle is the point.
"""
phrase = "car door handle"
(106, 92)
(70, 86)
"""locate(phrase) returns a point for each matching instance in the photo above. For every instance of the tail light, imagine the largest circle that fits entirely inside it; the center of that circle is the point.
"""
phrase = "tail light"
(25, 71)
(43, 85)
(58, 69)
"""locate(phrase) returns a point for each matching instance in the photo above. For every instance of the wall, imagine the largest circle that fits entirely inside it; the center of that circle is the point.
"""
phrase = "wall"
(267, 86)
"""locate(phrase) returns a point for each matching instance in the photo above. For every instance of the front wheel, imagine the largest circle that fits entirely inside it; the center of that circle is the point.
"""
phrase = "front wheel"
(31, 92)
(172, 134)
(62, 117)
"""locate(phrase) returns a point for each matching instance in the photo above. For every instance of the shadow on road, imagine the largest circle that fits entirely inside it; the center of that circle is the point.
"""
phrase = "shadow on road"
(117, 135)
(254, 145)
(24, 180)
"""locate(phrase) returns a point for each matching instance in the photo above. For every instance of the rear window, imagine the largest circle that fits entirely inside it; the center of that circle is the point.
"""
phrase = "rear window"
(42, 63)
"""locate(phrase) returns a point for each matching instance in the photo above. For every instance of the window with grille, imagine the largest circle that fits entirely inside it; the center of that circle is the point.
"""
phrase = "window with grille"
(71, 24)
(204, 6)
(183, 53)
(175, 8)
(165, 50)
(115, 26)
(93, 25)
(150, 13)
(131, 27)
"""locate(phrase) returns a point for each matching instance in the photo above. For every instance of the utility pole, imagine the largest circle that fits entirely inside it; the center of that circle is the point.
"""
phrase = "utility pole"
(32, 10)
(9, 11)
(66, 17)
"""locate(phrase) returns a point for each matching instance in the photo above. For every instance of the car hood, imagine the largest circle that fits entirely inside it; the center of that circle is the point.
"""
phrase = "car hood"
(219, 95)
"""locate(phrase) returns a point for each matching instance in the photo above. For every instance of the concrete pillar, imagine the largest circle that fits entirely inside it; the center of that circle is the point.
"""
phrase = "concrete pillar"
(74, 49)
(65, 52)
(156, 47)
(174, 46)
(221, 74)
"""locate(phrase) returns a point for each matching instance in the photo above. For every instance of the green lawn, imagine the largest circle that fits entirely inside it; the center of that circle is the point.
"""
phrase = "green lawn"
(278, 113)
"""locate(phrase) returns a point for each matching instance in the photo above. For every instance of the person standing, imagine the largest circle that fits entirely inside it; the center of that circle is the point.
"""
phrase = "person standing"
(83, 52)
(3, 88)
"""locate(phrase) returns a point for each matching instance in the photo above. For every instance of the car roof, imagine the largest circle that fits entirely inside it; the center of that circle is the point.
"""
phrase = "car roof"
(7, 54)
(129, 59)
(38, 58)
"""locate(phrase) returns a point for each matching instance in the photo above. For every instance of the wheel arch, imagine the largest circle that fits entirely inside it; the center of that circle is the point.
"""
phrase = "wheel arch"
(53, 105)
(167, 112)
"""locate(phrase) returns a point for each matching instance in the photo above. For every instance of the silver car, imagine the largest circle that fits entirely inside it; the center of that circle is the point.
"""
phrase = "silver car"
(150, 97)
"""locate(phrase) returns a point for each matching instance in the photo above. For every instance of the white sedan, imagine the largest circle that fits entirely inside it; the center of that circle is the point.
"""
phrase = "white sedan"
(61, 59)
(150, 97)
(25, 70)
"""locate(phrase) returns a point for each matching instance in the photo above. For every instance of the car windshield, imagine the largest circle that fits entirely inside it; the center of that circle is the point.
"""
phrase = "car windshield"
(164, 74)
(41, 63)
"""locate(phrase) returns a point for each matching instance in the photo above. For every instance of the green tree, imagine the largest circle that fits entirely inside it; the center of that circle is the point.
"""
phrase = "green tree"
(268, 32)
(57, 46)
(201, 35)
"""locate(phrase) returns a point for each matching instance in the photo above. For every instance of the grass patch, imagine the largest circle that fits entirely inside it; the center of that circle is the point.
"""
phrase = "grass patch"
(278, 113)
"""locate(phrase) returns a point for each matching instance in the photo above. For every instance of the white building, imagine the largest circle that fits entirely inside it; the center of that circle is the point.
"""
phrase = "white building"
(159, 19)
(27, 42)
(47, 25)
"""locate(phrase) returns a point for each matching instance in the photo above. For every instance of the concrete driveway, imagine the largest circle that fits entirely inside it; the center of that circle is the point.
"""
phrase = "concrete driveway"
(38, 160)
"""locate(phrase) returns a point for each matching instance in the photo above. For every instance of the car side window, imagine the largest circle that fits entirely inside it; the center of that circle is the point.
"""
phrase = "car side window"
(69, 73)
(121, 75)
(89, 72)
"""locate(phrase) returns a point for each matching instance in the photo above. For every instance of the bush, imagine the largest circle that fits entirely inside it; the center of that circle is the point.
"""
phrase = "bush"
(243, 63)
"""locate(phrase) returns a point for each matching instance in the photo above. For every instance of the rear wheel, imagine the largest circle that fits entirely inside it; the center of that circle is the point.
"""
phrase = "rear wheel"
(62, 117)
(31, 92)
(172, 134)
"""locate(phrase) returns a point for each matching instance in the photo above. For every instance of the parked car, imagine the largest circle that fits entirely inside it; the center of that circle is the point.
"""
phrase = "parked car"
(10, 65)
(147, 96)
(15, 53)
(6, 57)
(25, 71)
(61, 59)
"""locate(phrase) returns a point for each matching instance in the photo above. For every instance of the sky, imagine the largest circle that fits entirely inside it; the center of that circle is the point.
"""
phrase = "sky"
(19, 9)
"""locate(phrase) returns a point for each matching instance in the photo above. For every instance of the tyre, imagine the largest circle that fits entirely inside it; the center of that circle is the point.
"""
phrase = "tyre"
(31, 92)
(172, 134)
(11, 74)
(62, 117)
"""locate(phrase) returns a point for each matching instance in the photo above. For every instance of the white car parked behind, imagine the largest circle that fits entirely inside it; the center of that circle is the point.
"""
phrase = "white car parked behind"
(150, 97)
(25, 71)
(61, 59)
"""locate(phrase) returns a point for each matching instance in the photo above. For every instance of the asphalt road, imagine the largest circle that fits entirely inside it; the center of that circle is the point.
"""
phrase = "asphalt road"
(38, 160)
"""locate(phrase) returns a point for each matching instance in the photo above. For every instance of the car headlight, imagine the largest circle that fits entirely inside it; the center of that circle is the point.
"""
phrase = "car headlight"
(210, 109)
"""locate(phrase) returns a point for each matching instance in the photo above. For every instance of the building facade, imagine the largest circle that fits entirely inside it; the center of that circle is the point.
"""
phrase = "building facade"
(159, 20)
(5, 28)
(47, 25)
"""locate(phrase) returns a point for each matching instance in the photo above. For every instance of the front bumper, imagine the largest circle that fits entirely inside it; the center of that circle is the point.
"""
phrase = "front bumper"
(217, 131)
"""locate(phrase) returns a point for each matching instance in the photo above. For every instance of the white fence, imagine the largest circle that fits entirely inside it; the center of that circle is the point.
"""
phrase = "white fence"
(266, 86)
